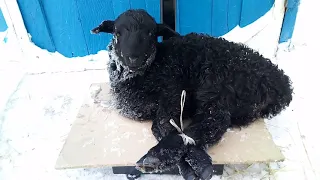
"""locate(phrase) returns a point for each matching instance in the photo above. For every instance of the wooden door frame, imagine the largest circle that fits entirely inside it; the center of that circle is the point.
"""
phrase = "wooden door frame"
(14, 20)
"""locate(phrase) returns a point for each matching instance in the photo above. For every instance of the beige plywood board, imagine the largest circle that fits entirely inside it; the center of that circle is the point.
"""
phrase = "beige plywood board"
(101, 137)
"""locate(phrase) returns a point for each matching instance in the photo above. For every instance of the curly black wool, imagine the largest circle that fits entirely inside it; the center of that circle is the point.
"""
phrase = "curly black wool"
(227, 84)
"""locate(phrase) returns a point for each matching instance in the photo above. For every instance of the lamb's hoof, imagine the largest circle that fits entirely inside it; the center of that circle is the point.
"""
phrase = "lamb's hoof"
(207, 173)
(133, 176)
(190, 176)
(148, 164)
(186, 171)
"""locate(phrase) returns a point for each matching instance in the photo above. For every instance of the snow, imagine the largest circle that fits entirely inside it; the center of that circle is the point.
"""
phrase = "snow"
(266, 29)
(42, 92)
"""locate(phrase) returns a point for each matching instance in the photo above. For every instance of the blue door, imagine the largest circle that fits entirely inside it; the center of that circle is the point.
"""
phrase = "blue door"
(3, 24)
(218, 17)
(64, 25)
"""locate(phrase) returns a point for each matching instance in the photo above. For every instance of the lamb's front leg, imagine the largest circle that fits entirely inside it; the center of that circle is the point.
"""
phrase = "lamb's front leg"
(171, 148)
(185, 169)
(164, 156)
(162, 130)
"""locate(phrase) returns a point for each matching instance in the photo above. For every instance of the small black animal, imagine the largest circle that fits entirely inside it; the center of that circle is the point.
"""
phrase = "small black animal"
(227, 84)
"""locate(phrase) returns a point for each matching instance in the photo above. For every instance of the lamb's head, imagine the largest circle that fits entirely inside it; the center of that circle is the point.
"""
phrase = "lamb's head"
(134, 40)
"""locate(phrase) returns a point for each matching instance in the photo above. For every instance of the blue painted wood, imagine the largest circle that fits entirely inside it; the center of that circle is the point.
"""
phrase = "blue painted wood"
(193, 16)
(138, 4)
(119, 6)
(214, 17)
(153, 7)
(219, 17)
(178, 15)
(3, 24)
(253, 10)
(289, 20)
(65, 27)
(92, 14)
(234, 13)
(35, 23)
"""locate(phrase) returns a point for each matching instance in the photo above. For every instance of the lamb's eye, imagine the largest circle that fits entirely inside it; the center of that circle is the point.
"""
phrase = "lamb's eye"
(150, 34)
(117, 34)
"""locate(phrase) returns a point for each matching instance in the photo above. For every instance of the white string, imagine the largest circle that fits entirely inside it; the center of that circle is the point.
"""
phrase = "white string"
(182, 101)
(186, 139)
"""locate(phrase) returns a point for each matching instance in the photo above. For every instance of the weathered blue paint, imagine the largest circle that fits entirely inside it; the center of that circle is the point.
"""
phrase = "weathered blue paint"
(3, 24)
(234, 13)
(217, 17)
(91, 15)
(65, 26)
(35, 23)
(289, 20)
(193, 16)
(153, 7)
(253, 10)
(120, 6)
(137, 4)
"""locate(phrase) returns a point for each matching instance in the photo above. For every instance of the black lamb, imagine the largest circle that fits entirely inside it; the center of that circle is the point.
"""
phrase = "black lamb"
(226, 84)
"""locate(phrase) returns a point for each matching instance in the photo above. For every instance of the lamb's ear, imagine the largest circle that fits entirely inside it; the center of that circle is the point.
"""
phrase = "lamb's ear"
(166, 31)
(105, 26)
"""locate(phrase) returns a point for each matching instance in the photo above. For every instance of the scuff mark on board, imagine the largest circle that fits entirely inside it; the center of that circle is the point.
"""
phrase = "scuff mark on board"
(117, 150)
(146, 136)
(88, 142)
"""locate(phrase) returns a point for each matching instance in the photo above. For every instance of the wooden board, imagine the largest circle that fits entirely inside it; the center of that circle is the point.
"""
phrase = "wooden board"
(100, 137)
